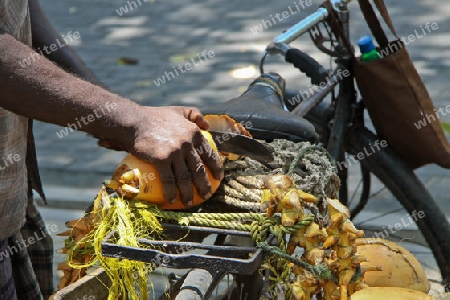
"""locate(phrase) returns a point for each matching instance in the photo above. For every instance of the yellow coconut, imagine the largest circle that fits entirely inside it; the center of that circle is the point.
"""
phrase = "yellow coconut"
(224, 123)
(399, 268)
(389, 293)
(137, 179)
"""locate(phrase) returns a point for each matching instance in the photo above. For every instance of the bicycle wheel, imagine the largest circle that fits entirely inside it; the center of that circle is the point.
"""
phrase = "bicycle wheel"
(392, 180)
(409, 191)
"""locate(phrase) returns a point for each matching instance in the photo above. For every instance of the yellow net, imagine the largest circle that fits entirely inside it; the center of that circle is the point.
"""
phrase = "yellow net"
(129, 278)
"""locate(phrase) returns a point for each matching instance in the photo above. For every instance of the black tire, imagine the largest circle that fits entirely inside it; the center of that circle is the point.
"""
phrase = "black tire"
(400, 179)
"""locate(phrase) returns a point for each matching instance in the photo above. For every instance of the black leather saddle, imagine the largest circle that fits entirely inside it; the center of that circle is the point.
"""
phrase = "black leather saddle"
(260, 110)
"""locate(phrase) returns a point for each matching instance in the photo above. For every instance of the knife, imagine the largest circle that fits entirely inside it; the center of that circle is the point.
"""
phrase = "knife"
(225, 142)
(241, 145)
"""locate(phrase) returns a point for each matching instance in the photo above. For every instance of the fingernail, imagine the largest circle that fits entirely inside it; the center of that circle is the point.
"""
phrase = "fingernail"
(222, 175)
(208, 195)
(189, 203)
(173, 200)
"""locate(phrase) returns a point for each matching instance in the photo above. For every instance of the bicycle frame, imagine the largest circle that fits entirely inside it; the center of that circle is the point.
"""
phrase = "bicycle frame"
(344, 117)
(346, 101)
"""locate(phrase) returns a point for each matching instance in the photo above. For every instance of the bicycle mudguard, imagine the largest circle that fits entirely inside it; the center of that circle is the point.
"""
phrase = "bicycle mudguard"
(260, 110)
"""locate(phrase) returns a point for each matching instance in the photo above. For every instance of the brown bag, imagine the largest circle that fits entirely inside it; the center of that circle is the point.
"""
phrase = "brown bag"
(396, 98)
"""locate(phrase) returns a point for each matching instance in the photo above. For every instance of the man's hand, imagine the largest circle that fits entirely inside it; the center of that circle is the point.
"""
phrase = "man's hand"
(169, 137)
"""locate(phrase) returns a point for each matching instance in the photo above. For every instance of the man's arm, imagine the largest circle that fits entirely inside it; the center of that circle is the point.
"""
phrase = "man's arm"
(44, 34)
(167, 137)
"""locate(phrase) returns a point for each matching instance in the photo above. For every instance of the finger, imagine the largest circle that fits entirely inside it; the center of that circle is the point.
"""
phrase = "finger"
(198, 175)
(183, 181)
(195, 116)
(167, 180)
(209, 157)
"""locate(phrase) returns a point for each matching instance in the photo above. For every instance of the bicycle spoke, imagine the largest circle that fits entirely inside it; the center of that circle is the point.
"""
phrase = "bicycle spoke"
(377, 192)
(354, 194)
(217, 291)
(380, 216)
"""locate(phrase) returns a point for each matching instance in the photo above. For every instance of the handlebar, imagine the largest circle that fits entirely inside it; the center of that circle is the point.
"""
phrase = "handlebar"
(301, 27)
(307, 65)
(302, 61)
(306, 24)
(280, 43)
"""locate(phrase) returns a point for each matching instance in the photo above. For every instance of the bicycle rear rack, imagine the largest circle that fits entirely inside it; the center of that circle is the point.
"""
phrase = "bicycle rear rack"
(218, 258)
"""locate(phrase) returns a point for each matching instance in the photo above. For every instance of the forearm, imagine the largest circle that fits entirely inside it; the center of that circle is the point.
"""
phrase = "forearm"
(167, 137)
(44, 92)
(44, 35)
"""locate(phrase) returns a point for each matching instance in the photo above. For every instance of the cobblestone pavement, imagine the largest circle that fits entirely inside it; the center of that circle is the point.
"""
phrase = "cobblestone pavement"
(162, 34)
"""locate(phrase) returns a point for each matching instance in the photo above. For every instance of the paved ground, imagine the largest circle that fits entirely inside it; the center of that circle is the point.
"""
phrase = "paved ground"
(162, 34)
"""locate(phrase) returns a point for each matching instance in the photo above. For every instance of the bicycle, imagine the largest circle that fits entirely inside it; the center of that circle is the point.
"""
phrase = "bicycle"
(341, 128)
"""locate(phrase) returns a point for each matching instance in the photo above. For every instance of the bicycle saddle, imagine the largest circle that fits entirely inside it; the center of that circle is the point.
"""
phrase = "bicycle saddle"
(260, 110)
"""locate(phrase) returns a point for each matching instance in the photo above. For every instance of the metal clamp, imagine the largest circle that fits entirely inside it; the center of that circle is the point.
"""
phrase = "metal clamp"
(221, 258)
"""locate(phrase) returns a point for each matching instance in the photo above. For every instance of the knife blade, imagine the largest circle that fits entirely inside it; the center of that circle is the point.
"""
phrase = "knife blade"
(241, 145)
